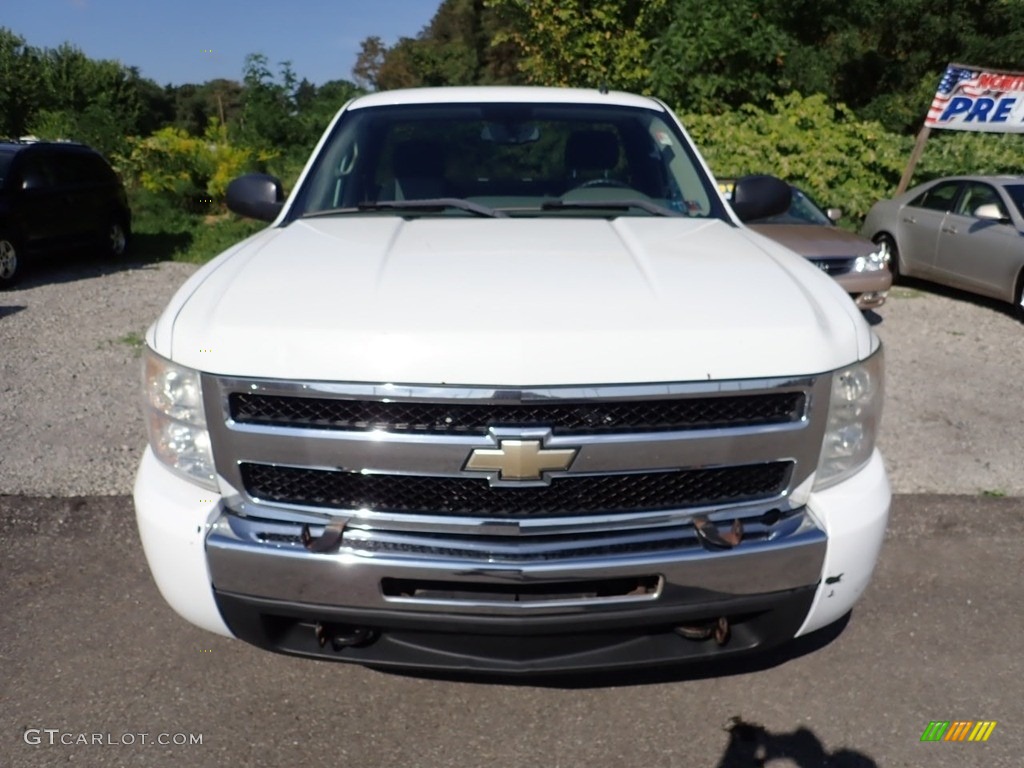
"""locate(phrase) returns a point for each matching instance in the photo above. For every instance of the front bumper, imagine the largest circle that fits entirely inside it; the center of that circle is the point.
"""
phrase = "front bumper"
(508, 617)
(869, 290)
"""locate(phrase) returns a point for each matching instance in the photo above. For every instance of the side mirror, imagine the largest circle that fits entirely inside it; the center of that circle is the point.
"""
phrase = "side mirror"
(990, 212)
(834, 214)
(760, 196)
(256, 195)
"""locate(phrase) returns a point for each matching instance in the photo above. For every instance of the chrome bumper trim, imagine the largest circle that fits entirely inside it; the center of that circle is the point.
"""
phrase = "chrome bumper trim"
(787, 555)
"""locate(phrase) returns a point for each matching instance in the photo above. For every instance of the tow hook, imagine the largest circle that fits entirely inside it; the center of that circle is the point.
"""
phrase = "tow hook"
(329, 541)
(717, 629)
(343, 636)
(711, 538)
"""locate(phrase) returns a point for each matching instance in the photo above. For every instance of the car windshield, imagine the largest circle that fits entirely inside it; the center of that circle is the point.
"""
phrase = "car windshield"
(506, 159)
(802, 210)
(1016, 193)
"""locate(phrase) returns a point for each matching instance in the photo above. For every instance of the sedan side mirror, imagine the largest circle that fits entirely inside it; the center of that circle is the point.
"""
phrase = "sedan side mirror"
(256, 195)
(760, 196)
(991, 212)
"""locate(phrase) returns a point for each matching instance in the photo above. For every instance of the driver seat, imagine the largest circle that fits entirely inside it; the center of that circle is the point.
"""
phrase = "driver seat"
(590, 155)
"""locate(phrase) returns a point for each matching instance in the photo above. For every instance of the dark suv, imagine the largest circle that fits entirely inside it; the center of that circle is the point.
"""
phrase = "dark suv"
(56, 196)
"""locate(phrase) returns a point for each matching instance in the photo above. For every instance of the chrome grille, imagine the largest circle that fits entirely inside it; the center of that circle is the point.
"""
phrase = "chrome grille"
(471, 497)
(563, 418)
(834, 267)
(393, 459)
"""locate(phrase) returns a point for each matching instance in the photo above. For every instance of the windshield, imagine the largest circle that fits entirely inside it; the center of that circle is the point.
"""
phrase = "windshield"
(1016, 193)
(516, 159)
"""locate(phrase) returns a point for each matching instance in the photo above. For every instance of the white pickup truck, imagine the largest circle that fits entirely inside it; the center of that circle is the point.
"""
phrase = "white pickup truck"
(506, 386)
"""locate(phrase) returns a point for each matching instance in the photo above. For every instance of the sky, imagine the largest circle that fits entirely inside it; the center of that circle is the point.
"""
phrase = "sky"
(192, 41)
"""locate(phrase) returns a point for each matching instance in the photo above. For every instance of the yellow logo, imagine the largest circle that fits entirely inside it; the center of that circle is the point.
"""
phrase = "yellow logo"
(958, 730)
(520, 459)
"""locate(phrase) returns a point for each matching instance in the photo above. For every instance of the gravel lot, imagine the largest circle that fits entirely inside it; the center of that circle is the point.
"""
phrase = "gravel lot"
(70, 421)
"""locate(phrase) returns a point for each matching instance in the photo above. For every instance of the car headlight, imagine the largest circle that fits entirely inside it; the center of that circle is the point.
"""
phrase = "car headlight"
(173, 403)
(854, 412)
(873, 262)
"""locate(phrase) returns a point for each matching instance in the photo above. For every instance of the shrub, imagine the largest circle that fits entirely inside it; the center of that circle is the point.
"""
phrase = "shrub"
(192, 171)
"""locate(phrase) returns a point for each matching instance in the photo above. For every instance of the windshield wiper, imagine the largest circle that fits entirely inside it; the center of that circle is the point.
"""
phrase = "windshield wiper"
(615, 205)
(430, 205)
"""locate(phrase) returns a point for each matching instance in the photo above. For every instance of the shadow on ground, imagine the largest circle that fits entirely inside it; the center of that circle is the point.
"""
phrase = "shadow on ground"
(912, 284)
(752, 745)
(144, 250)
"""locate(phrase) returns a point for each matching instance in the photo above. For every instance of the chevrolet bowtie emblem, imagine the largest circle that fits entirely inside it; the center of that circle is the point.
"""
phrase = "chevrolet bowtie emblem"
(520, 459)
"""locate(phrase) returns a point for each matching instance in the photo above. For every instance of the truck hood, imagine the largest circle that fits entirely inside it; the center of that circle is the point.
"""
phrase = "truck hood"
(513, 302)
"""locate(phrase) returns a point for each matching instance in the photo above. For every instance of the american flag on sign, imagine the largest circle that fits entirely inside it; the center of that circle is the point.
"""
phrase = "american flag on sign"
(955, 81)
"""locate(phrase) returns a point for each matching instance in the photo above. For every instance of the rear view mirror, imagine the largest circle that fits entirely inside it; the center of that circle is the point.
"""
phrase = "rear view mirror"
(510, 133)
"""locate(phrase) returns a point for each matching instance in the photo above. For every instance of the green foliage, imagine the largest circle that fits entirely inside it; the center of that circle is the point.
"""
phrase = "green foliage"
(715, 56)
(822, 148)
(21, 78)
(952, 152)
(61, 93)
(268, 106)
(193, 171)
(211, 238)
(582, 42)
(458, 47)
(163, 231)
(839, 159)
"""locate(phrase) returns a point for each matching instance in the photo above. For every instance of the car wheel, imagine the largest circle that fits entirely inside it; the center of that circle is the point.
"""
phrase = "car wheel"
(887, 242)
(9, 264)
(116, 239)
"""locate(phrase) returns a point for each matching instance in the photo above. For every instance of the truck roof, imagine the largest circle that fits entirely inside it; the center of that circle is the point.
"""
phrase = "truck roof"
(505, 94)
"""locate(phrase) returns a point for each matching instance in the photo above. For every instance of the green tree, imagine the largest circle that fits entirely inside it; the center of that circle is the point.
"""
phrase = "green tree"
(582, 42)
(821, 147)
(457, 47)
(715, 56)
(267, 119)
(21, 79)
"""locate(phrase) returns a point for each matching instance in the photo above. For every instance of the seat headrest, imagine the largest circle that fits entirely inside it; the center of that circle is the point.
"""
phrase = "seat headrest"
(418, 157)
(591, 151)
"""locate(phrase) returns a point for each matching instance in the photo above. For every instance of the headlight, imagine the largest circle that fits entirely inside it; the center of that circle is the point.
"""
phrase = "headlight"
(173, 403)
(854, 412)
(873, 261)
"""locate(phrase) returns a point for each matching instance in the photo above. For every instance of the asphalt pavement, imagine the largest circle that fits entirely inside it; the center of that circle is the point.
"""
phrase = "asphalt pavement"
(96, 670)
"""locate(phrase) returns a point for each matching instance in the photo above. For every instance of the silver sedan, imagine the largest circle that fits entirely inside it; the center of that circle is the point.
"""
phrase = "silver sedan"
(963, 231)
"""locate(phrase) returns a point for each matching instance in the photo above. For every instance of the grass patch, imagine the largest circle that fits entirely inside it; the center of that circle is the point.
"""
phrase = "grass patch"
(165, 231)
(905, 293)
(994, 493)
(134, 341)
(212, 238)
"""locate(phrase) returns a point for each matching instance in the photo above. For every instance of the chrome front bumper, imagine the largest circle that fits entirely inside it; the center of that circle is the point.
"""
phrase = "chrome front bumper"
(265, 560)
(514, 617)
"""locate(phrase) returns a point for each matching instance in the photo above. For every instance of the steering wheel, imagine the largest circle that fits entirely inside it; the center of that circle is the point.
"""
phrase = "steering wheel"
(603, 183)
